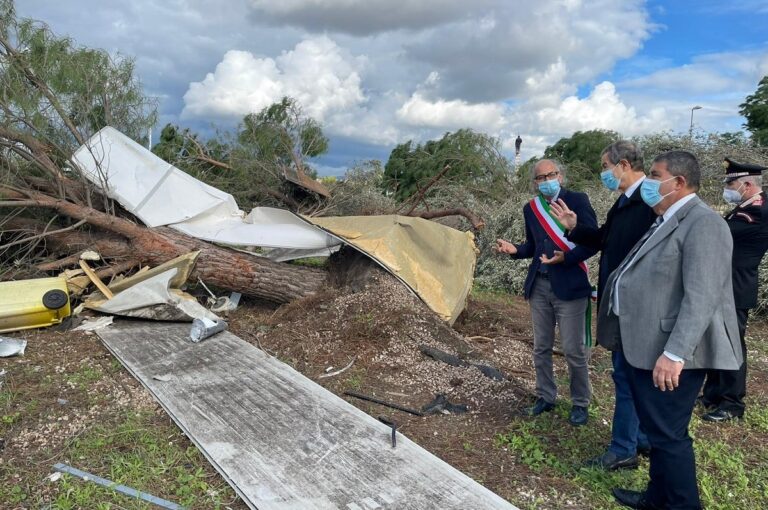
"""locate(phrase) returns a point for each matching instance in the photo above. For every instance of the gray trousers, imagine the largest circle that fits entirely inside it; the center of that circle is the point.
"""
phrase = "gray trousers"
(546, 311)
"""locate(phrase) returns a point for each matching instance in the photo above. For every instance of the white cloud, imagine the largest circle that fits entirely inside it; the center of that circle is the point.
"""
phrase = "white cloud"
(492, 53)
(319, 74)
(418, 111)
(712, 73)
(602, 109)
(504, 66)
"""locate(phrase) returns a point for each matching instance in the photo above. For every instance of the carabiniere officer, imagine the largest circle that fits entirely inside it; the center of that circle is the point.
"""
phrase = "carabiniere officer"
(724, 390)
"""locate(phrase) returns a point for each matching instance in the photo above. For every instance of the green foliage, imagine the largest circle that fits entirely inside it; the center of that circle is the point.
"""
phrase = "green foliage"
(475, 161)
(580, 153)
(359, 192)
(282, 134)
(755, 110)
(46, 81)
(250, 163)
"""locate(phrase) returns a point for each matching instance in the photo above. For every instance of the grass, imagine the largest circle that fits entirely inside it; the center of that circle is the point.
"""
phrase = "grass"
(732, 461)
(140, 450)
(730, 475)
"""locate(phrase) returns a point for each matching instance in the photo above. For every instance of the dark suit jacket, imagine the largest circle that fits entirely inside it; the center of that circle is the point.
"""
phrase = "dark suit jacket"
(623, 227)
(569, 281)
(749, 229)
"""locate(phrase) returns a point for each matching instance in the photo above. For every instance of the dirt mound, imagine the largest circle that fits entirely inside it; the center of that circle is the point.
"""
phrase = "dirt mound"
(375, 320)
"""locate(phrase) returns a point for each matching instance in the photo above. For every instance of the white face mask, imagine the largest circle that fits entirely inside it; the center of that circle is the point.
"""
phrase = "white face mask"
(732, 196)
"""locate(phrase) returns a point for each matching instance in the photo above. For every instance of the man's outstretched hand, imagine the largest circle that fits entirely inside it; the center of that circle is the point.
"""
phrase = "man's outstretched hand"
(563, 214)
(503, 246)
(557, 258)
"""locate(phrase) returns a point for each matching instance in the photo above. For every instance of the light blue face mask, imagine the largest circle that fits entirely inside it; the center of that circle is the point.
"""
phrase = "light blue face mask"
(549, 188)
(610, 181)
(649, 191)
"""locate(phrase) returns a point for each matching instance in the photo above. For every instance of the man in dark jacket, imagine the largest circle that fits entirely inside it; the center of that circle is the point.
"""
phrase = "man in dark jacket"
(627, 220)
(724, 390)
(558, 294)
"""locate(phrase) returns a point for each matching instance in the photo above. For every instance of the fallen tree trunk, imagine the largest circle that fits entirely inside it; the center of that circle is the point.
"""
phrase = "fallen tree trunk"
(229, 269)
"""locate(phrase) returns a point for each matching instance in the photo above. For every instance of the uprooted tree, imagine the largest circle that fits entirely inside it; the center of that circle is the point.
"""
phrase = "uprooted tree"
(251, 164)
(54, 95)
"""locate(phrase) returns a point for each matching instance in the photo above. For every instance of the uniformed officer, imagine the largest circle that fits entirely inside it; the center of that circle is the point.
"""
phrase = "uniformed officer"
(724, 390)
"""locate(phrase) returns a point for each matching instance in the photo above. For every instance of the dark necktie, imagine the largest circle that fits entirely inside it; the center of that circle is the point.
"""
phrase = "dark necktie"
(640, 243)
(622, 200)
(631, 255)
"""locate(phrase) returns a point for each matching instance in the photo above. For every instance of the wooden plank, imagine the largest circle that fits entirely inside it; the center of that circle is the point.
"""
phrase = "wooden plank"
(282, 441)
(96, 280)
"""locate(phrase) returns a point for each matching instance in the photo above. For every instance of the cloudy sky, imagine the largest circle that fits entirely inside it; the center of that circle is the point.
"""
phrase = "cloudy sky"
(381, 72)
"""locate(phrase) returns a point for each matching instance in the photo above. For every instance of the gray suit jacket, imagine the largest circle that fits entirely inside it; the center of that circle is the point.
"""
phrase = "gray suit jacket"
(676, 296)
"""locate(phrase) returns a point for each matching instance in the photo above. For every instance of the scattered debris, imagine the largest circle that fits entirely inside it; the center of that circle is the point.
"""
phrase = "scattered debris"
(2, 377)
(441, 405)
(405, 246)
(439, 355)
(63, 468)
(491, 372)
(455, 361)
(203, 328)
(26, 304)
(161, 194)
(11, 347)
(95, 279)
(393, 424)
(337, 372)
(226, 304)
(90, 255)
(94, 324)
(162, 378)
(156, 298)
(54, 477)
(383, 403)
(62, 401)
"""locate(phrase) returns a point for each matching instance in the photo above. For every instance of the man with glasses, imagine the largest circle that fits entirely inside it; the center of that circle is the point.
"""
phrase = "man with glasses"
(627, 221)
(557, 294)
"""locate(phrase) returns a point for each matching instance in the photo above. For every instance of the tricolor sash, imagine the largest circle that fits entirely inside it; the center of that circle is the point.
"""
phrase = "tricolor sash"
(556, 232)
(552, 227)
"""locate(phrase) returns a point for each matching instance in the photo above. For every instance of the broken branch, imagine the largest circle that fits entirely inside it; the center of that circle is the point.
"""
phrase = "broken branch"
(476, 221)
(44, 234)
(337, 372)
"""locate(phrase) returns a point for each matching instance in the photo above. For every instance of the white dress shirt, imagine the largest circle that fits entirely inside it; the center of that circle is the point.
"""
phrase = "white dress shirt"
(615, 303)
(635, 185)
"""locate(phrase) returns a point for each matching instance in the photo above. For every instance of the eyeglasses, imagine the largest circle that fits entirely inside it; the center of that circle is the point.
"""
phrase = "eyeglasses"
(546, 177)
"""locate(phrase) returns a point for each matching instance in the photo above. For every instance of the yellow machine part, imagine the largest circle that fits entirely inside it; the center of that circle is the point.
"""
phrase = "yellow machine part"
(22, 305)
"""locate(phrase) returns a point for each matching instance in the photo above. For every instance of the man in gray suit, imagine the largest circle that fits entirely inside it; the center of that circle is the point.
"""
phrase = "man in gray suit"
(668, 308)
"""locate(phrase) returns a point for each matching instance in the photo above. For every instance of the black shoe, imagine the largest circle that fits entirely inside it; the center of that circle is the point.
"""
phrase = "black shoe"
(632, 499)
(609, 461)
(720, 415)
(644, 451)
(541, 406)
(702, 402)
(579, 416)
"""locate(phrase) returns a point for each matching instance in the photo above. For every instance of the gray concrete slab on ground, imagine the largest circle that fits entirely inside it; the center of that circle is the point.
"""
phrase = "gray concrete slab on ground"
(281, 440)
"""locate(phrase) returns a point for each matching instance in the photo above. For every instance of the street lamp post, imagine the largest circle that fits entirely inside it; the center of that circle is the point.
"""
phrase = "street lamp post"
(690, 129)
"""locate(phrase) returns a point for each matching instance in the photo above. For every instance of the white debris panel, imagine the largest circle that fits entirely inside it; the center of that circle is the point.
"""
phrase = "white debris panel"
(159, 194)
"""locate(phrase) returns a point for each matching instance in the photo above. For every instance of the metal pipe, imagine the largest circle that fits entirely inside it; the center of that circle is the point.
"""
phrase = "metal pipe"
(63, 468)
(383, 403)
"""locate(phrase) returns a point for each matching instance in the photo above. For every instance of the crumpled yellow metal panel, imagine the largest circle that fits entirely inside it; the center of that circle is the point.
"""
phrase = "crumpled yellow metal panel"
(435, 261)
